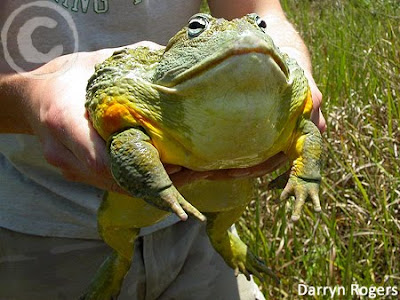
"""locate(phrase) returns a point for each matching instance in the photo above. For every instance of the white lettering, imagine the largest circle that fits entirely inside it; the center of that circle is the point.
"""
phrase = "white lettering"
(354, 289)
(65, 3)
(302, 289)
(101, 9)
(83, 3)
(380, 291)
(363, 291)
(371, 292)
(395, 291)
(336, 290)
(323, 290)
(311, 291)
(341, 291)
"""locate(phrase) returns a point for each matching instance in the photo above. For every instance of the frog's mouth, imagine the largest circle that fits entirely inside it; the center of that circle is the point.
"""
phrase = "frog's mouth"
(247, 44)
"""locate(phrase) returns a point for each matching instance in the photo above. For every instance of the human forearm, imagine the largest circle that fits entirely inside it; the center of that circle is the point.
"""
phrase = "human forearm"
(287, 39)
(13, 113)
(278, 27)
(52, 108)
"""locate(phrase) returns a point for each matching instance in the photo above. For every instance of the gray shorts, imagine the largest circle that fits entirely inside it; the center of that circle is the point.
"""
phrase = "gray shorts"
(176, 262)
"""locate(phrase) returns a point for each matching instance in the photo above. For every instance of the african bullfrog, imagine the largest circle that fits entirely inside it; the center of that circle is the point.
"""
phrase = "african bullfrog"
(220, 95)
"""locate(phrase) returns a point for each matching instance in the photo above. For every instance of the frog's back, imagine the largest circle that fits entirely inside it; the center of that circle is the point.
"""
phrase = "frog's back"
(118, 88)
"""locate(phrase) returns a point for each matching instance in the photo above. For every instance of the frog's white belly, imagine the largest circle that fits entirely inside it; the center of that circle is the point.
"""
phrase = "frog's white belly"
(232, 135)
(230, 122)
(229, 134)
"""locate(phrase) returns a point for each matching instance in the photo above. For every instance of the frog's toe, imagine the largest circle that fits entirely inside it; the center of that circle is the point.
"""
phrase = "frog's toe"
(257, 267)
(314, 195)
(179, 205)
(254, 266)
(247, 268)
(244, 270)
(301, 189)
(248, 264)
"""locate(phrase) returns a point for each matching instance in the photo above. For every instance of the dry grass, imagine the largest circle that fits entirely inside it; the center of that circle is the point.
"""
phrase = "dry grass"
(355, 46)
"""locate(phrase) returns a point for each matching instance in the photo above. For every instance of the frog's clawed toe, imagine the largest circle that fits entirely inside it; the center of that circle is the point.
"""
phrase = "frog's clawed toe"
(302, 189)
(256, 267)
(178, 205)
(244, 261)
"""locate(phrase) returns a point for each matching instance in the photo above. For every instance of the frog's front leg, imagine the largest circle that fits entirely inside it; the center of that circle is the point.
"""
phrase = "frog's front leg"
(304, 176)
(232, 249)
(136, 166)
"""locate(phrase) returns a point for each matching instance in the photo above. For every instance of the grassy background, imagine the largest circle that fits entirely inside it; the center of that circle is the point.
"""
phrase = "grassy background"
(355, 48)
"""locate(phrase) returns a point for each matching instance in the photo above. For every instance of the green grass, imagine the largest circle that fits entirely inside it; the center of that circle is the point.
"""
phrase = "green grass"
(355, 48)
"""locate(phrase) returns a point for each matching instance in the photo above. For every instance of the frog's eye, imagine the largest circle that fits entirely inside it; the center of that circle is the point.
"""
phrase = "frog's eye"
(261, 23)
(196, 26)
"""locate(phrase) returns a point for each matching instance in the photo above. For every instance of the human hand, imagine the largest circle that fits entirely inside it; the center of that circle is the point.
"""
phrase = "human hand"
(56, 113)
(181, 176)
(54, 108)
(316, 115)
(58, 117)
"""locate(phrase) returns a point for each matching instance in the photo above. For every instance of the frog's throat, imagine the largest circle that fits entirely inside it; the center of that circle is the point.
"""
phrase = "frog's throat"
(248, 43)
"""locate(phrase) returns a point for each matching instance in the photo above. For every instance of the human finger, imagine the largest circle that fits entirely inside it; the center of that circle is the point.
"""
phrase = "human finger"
(261, 169)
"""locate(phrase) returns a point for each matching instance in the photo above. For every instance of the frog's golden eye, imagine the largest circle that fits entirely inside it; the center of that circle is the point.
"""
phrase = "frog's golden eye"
(197, 25)
(261, 23)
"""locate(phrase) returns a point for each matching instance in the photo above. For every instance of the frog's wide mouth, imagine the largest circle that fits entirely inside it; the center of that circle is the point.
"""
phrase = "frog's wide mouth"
(247, 44)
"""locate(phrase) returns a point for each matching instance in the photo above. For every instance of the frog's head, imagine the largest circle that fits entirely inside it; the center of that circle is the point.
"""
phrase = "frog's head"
(216, 51)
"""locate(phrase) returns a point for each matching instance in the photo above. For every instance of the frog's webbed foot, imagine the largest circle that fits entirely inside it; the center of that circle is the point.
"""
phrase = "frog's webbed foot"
(136, 166)
(171, 199)
(232, 249)
(304, 177)
(302, 189)
(241, 259)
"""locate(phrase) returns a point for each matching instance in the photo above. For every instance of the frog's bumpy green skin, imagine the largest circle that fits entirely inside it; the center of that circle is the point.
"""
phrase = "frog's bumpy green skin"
(232, 249)
(304, 176)
(186, 106)
(108, 280)
(136, 166)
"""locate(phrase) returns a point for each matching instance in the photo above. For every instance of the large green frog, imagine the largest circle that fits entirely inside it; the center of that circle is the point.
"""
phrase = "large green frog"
(220, 95)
